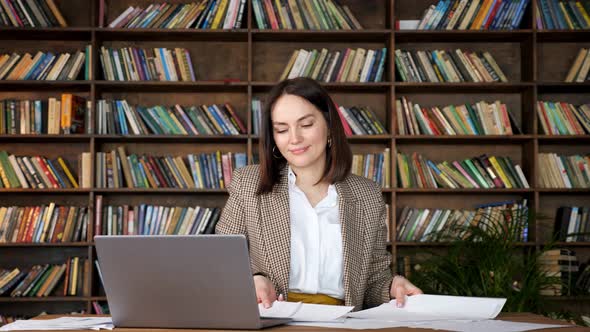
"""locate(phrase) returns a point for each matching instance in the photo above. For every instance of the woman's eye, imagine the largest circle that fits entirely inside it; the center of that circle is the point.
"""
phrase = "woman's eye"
(280, 131)
(307, 125)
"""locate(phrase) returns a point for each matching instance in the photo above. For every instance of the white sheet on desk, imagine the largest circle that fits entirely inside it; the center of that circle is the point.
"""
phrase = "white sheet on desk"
(62, 323)
(459, 326)
(426, 307)
(487, 326)
(305, 312)
(355, 324)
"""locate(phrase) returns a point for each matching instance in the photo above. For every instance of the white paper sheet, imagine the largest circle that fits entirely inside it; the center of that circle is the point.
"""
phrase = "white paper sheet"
(62, 323)
(279, 309)
(425, 307)
(459, 326)
(305, 312)
(355, 324)
(487, 326)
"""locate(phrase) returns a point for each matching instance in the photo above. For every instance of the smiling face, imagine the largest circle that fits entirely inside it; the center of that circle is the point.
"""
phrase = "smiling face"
(300, 132)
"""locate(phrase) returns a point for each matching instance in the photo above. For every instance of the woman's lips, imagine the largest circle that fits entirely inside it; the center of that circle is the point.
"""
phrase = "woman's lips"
(299, 150)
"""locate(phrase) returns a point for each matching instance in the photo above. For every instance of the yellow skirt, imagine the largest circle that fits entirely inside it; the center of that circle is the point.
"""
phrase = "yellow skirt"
(313, 298)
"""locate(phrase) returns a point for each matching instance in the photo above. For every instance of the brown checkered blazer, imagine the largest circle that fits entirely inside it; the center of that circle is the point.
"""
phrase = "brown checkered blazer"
(264, 219)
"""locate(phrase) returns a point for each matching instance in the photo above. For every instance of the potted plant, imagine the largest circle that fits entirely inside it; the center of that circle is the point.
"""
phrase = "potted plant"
(486, 258)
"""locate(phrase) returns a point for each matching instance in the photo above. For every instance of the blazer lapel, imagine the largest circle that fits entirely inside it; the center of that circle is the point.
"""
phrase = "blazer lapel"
(276, 230)
(353, 234)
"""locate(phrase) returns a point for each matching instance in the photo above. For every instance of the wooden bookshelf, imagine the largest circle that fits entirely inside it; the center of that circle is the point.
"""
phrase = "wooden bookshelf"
(238, 65)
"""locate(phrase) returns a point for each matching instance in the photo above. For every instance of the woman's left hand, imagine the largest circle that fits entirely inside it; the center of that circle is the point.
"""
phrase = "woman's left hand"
(400, 287)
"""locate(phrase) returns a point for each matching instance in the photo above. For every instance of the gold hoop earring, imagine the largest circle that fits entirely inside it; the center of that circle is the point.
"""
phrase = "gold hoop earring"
(274, 153)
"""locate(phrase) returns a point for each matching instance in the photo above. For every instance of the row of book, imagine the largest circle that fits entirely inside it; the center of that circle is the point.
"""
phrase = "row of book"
(362, 120)
(100, 308)
(560, 118)
(64, 115)
(116, 169)
(147, 219)
(257, 110)
(481, 118)
(435, 225)
(304, 14)
(561, 266)
(119, 117)
(580, 69)
(474, 15)
(46, 66)
(562, 15)
(484, 171)
(564, 171)
(447, 66)
(70, 115)
(137, 64)
(35, 172)
(43, 224)
(572, 224)
(203, 14)
(31, 14)
(373, 166)
(350, 65)
(67, 279)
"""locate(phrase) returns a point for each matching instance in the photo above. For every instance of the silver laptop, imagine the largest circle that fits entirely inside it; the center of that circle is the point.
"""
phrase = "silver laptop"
(200, 281)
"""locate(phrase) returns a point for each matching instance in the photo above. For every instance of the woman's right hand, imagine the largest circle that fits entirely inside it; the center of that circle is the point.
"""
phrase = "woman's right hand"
(265, 291)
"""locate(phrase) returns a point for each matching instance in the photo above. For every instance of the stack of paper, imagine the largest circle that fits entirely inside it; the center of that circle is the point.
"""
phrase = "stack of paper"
(303, 312)
(452, 313)
(62, 323)
(436, 307)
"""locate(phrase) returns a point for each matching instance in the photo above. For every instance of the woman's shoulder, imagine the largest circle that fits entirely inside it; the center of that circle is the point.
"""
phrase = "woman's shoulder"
(248, 172)
(360, 186)
(246, 178)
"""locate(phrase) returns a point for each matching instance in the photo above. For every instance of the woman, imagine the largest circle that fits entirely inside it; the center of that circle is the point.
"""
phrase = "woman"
(316, 232)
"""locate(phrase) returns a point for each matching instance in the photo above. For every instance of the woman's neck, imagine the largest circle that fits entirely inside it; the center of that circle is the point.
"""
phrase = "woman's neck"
(309, 177)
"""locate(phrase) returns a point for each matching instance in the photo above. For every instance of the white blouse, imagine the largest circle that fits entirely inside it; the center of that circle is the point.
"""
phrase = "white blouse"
(316, 243)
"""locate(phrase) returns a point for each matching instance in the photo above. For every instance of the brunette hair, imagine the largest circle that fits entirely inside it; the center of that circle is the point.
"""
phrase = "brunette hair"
(338, 153)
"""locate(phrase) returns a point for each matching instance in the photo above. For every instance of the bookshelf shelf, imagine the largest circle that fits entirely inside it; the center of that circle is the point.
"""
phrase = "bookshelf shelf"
(446, 244)
(44, 245)
(563, 138)
(563, 35)
(357, 87)
(46, 299)
(159, 191)
(483, 139)
(369, 138)
(322, 35)
(171, 138)
(44, 191)
(45, 33)
(108, 34)
(566, 191)
(97, 298)
(462, 191)
(409, 87)
(156, 86)
(75, 86)
(563, 88)
(236, 66)
(42, 138)
(462, 36)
